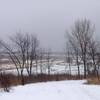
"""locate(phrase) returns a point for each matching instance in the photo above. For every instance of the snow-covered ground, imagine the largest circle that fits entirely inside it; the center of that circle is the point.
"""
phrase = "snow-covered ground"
(63, 90)
(56, 68)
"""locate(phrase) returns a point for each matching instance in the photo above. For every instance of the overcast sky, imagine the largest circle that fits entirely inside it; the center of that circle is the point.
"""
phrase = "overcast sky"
(49, 19)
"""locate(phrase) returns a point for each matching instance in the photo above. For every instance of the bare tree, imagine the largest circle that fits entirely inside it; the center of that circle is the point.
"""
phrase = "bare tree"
(41, 58)
(8, 50)
(68, 57)
(49, 60)
(23, 53)
(76, 53)
(82, 32)
(34, 52)
(93, 50)
(20, 43)
(32, 44)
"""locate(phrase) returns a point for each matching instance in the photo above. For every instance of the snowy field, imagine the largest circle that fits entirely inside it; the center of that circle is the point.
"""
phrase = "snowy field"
(58, 67)
(63, 90)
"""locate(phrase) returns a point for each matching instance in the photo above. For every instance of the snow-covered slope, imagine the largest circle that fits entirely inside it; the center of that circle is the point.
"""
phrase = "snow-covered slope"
(64, 90)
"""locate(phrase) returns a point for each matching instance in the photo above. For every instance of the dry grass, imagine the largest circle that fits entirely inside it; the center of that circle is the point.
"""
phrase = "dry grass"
(14, 80)
(93, 80)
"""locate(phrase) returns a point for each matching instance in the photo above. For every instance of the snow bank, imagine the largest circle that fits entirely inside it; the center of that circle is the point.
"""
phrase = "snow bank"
(64, 90)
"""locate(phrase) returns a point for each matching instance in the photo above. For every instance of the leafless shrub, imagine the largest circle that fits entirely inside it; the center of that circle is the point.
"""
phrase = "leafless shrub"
(5, 82)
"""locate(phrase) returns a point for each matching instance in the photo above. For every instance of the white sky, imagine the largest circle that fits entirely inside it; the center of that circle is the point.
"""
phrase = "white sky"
(49, 19)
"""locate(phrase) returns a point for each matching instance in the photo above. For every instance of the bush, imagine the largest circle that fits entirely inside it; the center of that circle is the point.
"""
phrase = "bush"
(4, 82)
